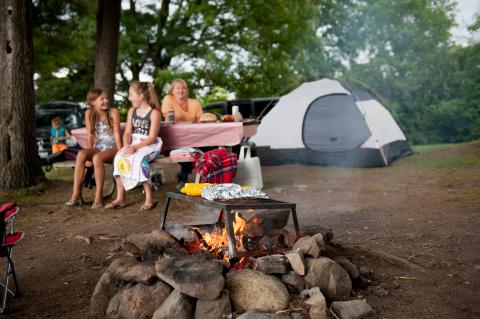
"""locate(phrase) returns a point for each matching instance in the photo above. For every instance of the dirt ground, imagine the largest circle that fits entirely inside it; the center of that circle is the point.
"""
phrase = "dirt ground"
(415, 225)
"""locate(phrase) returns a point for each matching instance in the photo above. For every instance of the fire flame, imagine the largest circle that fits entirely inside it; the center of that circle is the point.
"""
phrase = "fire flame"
(216, 241)
(238, 224)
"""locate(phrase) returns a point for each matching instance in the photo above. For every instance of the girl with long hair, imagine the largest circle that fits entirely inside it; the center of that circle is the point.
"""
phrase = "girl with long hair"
(140, 141)
(103, 140)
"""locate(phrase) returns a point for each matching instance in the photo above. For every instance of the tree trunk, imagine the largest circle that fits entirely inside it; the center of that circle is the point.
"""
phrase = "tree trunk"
(19, 161)
(108, 22)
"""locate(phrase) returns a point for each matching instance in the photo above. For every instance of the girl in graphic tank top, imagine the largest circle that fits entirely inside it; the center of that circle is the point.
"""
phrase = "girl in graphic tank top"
(140, 141)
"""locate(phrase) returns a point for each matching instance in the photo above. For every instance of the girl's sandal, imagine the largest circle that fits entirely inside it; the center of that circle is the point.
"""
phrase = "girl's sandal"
(72, 203)
(97, 205)
(145, 207)
(114, 205)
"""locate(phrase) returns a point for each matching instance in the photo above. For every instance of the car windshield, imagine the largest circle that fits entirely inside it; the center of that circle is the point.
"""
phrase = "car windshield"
(69, 116)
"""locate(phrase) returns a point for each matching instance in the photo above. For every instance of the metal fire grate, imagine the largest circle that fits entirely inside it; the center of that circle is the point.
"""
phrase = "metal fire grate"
(227, 206)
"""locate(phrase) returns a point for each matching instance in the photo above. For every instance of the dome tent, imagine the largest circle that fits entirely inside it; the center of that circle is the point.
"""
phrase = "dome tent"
(328, 122)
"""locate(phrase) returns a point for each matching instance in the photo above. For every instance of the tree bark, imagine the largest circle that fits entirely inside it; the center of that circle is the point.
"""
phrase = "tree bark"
(19, 160)
(108, 22)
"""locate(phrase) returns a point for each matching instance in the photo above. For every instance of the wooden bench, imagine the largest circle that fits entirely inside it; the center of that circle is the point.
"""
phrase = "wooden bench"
(88, 189)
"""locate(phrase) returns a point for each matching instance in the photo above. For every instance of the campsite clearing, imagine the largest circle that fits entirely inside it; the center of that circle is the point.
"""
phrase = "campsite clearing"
(414, 225)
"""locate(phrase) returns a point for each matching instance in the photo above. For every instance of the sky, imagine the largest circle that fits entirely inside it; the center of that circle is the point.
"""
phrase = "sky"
(466, 14)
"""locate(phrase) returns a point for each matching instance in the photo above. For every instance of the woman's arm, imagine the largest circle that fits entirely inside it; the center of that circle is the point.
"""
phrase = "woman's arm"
(88, 125)
(116, 127)
(166, 106)
(198, 110)
(153, 133)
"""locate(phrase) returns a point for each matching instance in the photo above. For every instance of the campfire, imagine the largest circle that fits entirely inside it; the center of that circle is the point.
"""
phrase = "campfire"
(165, 278)
(255, 235)
(175, 272)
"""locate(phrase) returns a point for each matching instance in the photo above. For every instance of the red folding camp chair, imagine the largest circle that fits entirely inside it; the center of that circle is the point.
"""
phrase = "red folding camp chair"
(9, 240)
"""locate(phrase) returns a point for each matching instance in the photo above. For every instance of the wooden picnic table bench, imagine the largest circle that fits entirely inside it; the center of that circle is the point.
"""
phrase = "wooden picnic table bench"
(109, 187)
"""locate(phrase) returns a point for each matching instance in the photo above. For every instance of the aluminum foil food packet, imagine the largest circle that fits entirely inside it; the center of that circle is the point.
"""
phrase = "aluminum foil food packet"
(231, 191)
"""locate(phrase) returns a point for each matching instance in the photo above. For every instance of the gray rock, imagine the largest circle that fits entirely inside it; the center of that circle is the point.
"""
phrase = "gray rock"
(116, 247)
(106, 288)
(143, 272)
(318, 312)
(136, 244)
(108, 285)
(84, 239)
(294, 280)
(317, 303)
(326, 233)
(321, 240)
(379, 291)
(161, 242)
(350, 267)
(295, 258)
(307, 293)
(308, 246)
(262, 315)
(365, 271)
(139, 301)
(112, 309)
(354, 309)
(213, 309)
(297, 315)
(253, 290)
(177, 306)
(150, 245)
(192, 275)
(329, 276)
(271, 264)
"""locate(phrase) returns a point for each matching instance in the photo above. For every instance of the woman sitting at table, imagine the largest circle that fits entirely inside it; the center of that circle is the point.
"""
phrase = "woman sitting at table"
(184, 110)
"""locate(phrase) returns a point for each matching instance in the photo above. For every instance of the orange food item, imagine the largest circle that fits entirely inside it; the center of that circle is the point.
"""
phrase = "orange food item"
(228, 118)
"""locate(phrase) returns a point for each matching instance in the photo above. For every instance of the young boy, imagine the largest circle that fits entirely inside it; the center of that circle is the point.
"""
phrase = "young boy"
(58, 136)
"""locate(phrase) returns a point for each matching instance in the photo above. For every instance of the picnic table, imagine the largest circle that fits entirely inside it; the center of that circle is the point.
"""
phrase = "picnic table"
(183, 134)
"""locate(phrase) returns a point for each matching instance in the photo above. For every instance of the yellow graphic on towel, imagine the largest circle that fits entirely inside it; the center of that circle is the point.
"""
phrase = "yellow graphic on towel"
(124, 166)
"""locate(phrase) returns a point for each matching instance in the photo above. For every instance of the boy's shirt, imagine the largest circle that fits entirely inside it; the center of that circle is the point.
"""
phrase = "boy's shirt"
(54, 133)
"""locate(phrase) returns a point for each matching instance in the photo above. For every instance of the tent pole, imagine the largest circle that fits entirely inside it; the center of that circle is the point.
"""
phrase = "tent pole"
(382, 153)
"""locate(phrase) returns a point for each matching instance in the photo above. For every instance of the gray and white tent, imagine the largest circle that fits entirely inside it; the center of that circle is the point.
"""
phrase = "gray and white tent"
(328, 122)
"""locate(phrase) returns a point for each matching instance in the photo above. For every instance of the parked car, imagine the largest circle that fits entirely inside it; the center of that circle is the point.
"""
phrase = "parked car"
(71, 115)
(250, 108)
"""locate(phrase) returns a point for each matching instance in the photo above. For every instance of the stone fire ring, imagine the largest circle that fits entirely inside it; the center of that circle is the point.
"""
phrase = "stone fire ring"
(192, 275)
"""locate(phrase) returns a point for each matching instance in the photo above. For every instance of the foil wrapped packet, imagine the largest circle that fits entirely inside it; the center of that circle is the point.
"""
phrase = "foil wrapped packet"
(231, 191)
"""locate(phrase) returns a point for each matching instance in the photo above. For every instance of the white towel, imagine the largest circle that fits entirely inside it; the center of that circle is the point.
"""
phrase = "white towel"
(129, 167)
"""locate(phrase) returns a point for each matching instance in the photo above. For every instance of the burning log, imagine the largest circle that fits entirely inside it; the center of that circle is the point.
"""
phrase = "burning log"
(199, 236)
(259, 223)
(217, 251)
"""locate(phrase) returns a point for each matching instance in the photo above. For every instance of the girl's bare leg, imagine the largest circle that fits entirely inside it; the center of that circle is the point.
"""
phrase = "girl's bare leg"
(82, 157)
(119, 201)
(98, 160)
(148, 196)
